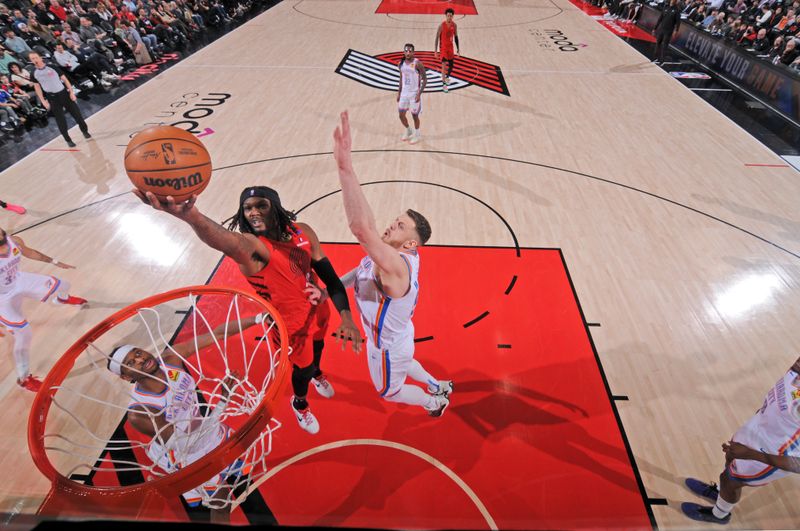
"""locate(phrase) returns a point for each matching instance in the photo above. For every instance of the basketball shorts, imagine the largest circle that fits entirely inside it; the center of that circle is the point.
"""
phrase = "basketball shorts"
(408, 103)
(27, 285)
(302, 342)
(754, 473)
(388, 367)
(165, 458)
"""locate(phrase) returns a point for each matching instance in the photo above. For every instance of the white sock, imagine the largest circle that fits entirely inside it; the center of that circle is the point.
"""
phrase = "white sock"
(418, 373)
(722, 508)
(62, 293)
(22, 349)
(413, 395)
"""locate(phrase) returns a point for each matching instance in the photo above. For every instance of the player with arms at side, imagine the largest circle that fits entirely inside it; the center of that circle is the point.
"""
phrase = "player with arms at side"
(15, 286)
(386, 288)
(409, 94)
(445, 35)
(765, 449)
(277, 255)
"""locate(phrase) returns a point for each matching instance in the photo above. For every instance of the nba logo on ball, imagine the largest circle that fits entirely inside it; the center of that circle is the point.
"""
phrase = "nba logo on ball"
(169, 153)
(168, 161)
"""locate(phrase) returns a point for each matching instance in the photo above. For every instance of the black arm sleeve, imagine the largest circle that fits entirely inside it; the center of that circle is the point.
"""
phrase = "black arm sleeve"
(335, 288)
(455, 37)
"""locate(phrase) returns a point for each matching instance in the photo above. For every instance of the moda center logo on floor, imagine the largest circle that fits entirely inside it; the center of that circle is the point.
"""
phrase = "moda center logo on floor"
(189, 111)
(555, 40)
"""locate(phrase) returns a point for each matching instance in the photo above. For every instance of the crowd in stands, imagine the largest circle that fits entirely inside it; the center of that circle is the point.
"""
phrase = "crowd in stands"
(769, 29)
(93, 43)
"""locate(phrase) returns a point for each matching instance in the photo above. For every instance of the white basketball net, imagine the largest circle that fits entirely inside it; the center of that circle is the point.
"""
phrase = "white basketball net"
(200, 428)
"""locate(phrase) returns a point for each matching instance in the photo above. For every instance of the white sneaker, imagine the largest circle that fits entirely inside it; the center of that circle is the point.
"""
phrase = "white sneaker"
(323, 386)
(306, 419)
(443, 388)
(408, 134)
(441, 404)
(414, 138)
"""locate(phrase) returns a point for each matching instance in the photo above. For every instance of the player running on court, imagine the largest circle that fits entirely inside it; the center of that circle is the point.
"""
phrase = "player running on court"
(445, 35)
(386, 286)
(409, 94)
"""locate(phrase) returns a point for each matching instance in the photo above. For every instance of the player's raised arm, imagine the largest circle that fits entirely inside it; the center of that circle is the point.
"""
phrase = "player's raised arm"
(244, 249)
(359, 214)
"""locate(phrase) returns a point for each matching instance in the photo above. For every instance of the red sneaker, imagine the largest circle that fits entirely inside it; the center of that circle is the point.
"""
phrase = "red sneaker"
(31, 383)
(76, 301)
(16, 208)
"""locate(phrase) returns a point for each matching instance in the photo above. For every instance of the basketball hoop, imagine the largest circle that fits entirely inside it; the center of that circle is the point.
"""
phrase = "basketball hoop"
(74, 435)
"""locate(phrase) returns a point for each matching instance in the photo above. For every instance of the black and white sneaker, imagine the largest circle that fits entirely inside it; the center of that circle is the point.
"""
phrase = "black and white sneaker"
(442, 388)
(441, 404)
(703, 514)
(708, 491)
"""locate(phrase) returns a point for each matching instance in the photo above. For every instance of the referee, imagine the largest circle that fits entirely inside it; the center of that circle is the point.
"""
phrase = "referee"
(55, 92)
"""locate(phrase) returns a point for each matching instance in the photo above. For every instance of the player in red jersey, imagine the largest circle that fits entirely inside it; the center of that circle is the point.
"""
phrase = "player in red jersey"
(277, 255)
(446, 34)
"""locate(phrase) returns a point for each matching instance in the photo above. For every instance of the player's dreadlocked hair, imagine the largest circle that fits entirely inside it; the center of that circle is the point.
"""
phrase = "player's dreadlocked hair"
(282, 219)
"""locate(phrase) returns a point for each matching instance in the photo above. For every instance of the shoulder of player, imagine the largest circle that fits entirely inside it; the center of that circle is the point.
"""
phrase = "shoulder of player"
(19, 242)
(307, 231)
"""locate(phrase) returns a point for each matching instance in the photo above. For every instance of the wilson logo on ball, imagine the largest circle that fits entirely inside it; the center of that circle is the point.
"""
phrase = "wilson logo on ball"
(179, 183)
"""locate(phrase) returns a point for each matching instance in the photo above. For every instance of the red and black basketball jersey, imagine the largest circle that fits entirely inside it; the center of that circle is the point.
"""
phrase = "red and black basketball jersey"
(284, 278)
(446, 39)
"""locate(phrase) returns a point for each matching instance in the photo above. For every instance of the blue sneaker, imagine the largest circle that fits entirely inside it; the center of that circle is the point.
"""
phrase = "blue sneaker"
(706, 490)
(702, 514)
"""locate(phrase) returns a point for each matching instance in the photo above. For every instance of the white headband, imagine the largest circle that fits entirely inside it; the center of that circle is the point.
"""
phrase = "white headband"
(119, 356)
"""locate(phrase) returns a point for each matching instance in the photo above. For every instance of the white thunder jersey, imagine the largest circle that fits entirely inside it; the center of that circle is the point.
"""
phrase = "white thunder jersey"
(778, 421)
(192, 438)
(387, 321)
(774, 429)
(410, 78)
(9, 267)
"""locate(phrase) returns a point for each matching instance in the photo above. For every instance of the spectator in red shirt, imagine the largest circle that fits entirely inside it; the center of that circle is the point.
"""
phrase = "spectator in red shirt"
(58, 11)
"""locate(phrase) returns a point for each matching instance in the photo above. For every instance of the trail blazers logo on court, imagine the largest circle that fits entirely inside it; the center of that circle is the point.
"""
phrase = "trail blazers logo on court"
(382, 72)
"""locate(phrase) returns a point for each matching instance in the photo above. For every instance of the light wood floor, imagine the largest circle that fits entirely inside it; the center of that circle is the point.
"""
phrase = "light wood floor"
(688, 258)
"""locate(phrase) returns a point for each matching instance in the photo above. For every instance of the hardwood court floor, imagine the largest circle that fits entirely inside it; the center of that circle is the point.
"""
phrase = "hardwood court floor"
(686, 256)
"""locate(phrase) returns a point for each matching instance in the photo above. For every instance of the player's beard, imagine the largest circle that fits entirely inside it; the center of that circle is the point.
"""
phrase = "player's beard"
(4, 241)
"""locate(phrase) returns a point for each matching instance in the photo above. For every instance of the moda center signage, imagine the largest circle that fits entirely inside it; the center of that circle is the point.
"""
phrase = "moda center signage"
(190, 111)
(555, 40)
(775, 85)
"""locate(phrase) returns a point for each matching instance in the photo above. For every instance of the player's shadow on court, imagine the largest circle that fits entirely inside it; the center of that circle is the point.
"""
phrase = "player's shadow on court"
(549, 424)
(94, 168)
(790, 229)
(506, 104)
(482, 174)
(632, 68)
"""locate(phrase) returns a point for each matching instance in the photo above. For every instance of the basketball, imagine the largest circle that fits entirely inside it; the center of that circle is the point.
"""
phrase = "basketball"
(167, 160)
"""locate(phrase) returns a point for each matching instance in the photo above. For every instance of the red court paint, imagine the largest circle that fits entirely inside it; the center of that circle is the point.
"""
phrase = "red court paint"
(426, 7)
(530, 432)
(618, 27)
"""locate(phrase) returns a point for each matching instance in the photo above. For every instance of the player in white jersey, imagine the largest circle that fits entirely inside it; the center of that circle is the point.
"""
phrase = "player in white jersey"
(766, 448)
(164, 406)
(386, 288)
(16, 285)
(409, 94)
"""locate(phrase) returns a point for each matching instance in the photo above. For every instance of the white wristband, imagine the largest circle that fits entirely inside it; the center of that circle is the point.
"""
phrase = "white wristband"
(54, 261)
